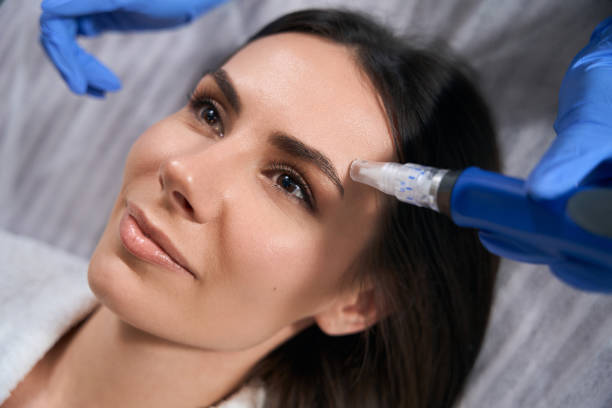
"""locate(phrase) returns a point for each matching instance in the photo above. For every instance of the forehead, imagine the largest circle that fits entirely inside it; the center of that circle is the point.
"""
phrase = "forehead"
(313, 89)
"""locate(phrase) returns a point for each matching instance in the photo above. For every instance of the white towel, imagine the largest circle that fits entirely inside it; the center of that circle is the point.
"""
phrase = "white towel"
(43, 293)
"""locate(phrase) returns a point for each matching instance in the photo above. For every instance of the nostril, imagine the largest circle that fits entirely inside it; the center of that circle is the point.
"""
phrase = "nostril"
(161, 181)
(183, 201)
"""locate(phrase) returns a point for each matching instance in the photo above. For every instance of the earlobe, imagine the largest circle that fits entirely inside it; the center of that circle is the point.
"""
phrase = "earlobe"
(350, 314)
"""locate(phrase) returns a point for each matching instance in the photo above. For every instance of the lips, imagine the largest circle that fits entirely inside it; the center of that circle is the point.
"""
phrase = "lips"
(148, 243)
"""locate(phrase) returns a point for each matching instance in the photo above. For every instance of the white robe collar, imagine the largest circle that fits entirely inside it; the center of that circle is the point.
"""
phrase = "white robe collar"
(43, 293)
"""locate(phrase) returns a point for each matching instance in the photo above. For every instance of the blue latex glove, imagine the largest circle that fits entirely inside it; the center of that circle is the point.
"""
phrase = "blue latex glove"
(580, 155)
(63, 20)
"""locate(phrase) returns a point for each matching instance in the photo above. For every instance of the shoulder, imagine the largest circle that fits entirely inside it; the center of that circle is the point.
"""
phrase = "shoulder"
(44, 292)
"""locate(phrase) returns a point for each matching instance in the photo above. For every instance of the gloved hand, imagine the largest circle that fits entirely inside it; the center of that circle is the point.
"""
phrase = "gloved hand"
(584, 123)
(62, 20)
(580, 155)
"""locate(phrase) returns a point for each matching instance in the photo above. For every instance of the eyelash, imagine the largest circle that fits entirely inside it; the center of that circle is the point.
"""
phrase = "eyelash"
(200, 99)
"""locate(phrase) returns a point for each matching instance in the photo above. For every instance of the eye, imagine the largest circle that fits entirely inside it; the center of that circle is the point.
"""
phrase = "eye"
(288, 184)
(210, 115)
(289, 180)
(206, 111)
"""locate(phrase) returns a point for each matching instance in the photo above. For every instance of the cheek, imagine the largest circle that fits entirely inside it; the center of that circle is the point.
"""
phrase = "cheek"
(145, 154)
(277, 262)
(139, 294)
(162, 140)
(273, 248)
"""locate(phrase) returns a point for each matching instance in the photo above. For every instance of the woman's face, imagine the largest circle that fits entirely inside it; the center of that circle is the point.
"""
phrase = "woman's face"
(250, 184)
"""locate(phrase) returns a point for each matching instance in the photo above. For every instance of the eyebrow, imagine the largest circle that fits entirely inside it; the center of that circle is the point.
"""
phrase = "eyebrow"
(297, 149)
(225, 84)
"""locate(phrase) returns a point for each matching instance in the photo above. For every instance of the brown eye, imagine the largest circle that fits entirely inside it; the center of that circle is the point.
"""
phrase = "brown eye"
(287, 179)
(207, 111)
(291, 186)
(210, 115)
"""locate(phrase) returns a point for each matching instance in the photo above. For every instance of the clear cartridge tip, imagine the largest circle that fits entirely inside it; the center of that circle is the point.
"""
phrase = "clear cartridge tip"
(373, 174)
(410, 183)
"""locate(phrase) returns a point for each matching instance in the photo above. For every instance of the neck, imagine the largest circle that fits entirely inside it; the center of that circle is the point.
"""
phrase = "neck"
(110, 363)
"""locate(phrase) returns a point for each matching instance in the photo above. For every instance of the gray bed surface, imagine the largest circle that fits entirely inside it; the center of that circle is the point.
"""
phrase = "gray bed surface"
(61, 155)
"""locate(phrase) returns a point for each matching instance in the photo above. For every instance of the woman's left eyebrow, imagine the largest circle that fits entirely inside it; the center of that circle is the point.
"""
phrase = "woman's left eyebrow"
(224, 83)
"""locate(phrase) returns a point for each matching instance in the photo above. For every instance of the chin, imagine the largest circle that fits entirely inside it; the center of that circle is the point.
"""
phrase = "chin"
(124, 292)
(111, 280)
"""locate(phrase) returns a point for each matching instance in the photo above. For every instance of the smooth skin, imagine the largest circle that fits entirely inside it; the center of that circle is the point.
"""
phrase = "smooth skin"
(267, 265)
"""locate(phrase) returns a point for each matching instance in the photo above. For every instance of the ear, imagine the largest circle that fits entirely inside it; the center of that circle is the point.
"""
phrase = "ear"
(350, 313)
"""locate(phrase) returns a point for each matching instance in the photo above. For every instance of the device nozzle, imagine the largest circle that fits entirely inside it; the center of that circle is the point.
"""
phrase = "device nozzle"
(411, 183)
(372, 174)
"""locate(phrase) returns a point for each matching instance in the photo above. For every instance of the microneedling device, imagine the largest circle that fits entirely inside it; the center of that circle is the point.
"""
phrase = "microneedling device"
(575, 228)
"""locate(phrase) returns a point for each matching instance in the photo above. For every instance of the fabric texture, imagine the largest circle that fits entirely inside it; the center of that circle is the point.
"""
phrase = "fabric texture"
(44, 293)
(61, 155)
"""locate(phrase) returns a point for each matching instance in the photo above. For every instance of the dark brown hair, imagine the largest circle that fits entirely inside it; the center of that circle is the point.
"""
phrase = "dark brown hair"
(435, 278)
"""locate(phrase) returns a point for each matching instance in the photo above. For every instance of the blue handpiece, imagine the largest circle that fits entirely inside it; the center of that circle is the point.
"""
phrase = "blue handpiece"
(547, 219)
(574, 235)
(575, 231)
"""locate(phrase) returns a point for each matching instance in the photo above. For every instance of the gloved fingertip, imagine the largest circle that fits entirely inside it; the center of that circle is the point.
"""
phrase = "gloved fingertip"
(95, 92)
(549, 186)
(101, 77)
(104, 80)
(98, 76)
(555, 175)
(112, 82)
(76, 83)
(541, 190)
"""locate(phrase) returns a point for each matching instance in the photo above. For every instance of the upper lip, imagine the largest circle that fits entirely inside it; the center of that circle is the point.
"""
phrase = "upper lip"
(158, 236)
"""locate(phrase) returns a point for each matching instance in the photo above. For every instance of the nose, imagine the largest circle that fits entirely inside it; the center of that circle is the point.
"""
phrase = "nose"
(178, 178)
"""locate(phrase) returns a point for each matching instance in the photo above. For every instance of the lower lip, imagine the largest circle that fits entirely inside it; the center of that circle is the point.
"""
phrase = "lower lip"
(141, 246)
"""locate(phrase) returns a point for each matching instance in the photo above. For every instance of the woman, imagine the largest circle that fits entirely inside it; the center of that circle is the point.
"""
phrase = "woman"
(240, 252)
